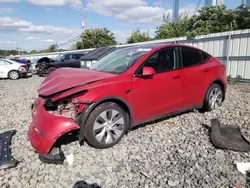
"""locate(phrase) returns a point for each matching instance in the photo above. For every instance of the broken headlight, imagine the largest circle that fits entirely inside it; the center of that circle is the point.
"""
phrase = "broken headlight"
(63, 108)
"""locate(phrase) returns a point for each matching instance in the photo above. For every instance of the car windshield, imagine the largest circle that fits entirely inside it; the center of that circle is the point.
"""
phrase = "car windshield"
(121, 60)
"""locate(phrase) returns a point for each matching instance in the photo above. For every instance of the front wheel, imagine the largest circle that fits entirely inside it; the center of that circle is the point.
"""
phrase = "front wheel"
(106, 125)
(213, 98)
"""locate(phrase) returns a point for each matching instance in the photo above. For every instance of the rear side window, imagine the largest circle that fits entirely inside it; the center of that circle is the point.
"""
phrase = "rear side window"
(205, 57)
(2, 62)
(190, 57)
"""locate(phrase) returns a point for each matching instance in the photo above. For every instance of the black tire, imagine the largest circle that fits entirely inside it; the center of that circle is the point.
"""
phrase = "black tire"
(89, 126)
(13, 72)
(51, 69)
(206, 107)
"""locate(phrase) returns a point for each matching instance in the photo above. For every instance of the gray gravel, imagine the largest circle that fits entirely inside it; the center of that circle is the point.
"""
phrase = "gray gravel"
(175, 152)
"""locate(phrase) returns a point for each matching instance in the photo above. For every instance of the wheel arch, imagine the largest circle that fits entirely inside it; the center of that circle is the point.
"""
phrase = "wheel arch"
(221, 84)
(118, 100)
(13, 70)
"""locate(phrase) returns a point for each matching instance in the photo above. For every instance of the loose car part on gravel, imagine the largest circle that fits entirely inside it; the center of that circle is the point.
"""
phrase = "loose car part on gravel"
(228, 137)
(6, 159)
(56, 156)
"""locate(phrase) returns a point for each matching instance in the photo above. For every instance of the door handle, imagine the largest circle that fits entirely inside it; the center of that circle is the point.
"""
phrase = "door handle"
(176, 77)
(206, 70)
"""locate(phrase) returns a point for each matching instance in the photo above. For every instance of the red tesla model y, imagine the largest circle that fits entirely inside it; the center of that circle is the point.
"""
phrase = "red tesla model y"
(128, 87)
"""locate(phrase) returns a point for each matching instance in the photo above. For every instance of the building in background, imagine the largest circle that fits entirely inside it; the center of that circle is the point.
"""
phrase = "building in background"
(246, 2)
(214, 3)
(176, 6)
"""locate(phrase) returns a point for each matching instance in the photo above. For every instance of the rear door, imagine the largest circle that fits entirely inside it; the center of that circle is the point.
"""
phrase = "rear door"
(161, 93)
(193, 76)
(4, 68)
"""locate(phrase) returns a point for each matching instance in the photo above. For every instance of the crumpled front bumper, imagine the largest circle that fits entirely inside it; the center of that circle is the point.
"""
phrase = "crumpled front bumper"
(46, 128)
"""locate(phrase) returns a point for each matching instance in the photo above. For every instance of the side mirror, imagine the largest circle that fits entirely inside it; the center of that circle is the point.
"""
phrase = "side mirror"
(148, 71)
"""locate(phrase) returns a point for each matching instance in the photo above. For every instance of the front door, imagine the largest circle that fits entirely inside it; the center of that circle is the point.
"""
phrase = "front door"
(162, 93)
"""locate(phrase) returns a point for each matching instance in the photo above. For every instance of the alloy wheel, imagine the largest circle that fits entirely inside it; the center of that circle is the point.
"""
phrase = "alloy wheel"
(13, 75)
(108, 126)
(215, 98)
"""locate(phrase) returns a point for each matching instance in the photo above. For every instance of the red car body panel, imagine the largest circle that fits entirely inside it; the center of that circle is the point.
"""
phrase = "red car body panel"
(146, 99)
(45, 128)
(66, 78)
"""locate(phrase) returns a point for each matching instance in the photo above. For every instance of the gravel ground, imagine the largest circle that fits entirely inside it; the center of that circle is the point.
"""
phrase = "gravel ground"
(173, 152)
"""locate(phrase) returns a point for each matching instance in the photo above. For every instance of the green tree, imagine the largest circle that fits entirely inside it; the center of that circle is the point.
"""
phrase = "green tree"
(212, 19)
(52, 48)
(95, 38)
(173, 29)
(11, 52)
(33, 52)
(77, 45)
(243, 17)
(138, 36)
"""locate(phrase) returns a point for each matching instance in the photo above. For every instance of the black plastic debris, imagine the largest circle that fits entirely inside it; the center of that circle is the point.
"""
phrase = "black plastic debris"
(56, 156)
(228, 137)
(6, 159)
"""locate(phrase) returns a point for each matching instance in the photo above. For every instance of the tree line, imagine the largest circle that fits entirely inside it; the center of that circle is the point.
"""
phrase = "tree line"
(212, 19)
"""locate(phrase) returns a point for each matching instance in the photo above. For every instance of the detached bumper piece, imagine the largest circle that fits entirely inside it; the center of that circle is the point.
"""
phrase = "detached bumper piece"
(6, 159)
(228, 137)
(56, 156)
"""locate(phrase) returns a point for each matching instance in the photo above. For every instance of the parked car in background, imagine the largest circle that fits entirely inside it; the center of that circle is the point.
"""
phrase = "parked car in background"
(94, 56)
(126, 88)
(46, 66)
(12, 69)
(84, 61)
(22, 61)
(32, 68)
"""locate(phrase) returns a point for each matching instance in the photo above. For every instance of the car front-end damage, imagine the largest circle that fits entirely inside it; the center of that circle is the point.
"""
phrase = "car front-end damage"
(59, 106)
(50, 121)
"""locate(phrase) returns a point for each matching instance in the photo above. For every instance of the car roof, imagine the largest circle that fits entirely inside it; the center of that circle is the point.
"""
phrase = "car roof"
(9, 60)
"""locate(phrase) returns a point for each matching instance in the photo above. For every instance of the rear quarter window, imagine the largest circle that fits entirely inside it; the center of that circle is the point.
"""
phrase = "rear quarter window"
(205, 57)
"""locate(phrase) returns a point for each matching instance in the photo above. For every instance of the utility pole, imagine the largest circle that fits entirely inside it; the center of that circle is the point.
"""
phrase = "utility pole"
(176, 6)
(83, 19)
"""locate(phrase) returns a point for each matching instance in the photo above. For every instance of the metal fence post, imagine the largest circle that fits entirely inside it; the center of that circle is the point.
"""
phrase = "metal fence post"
(228, 52)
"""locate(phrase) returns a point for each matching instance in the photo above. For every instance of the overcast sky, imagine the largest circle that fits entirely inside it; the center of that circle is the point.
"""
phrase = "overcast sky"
(36, 24)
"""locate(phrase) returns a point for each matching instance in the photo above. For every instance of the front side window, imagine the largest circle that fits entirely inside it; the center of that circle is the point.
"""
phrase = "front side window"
(190, 57)
(68, 57)
(162, 61)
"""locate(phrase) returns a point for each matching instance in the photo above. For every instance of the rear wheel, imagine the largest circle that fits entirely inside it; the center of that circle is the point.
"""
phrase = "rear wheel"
(214, 98)
(13, 75)
(51, 69)
(106, 125)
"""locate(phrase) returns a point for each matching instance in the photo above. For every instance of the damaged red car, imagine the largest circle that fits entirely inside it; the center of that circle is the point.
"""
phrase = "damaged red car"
(128, 87)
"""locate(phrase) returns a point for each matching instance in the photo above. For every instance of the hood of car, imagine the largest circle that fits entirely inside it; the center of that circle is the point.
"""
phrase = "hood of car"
(63, 79)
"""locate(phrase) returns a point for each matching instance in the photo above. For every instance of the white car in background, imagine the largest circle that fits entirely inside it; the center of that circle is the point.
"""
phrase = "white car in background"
(12, 69)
